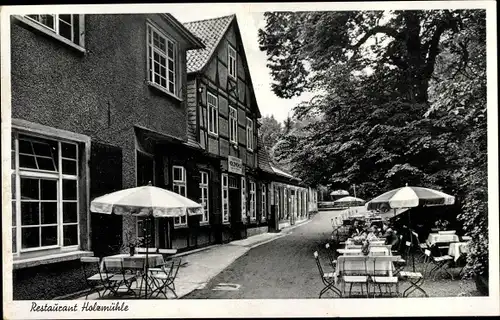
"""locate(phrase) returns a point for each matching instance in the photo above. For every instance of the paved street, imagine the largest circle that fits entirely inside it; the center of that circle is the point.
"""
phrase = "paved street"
(283, 268)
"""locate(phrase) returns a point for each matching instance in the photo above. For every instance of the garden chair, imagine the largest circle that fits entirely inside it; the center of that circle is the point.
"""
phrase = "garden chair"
(118, 276)
(355, 272)
(415, 279)
(331, 257)
(135, 267)
(164, 278)
(419, 246)
(328, 279)
(440, 262)
(383, 273)
(95, 278)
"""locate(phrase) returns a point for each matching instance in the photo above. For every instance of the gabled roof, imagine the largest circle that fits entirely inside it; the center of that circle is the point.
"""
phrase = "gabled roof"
(193, 41)
(263, 157)
(211, 32)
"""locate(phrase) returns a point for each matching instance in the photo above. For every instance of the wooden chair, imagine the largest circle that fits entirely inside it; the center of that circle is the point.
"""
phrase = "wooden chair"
(331, 257)
(117, 276)
(440, 262)
(419, 246)
(164, 278)
(93, 274)
(328, 279)
(415, 279)
(383, 273)
(135, 267)
(354, 275)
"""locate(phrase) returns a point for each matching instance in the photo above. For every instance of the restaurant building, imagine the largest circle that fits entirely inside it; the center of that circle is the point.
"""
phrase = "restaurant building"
(96, 101)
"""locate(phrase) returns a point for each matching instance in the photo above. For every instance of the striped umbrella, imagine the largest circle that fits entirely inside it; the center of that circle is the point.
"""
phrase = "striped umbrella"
(410, 197)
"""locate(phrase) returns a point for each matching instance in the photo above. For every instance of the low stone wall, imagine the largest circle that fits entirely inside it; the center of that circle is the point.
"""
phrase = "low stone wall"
(46, 282)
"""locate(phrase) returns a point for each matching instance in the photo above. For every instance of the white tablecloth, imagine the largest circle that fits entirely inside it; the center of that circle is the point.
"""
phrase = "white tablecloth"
(154, 259)
(457, 249)
(374, 251)
(440, 238)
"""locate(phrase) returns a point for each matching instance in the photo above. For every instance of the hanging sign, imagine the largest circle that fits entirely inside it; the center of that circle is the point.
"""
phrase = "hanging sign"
(234, 165)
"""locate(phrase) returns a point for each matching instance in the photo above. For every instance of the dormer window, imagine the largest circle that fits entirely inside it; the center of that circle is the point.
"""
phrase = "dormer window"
(231, 61)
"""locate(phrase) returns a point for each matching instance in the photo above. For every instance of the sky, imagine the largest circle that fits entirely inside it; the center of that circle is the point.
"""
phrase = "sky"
(249, 23)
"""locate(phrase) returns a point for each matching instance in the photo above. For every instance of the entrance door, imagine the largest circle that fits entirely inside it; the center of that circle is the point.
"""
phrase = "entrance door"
(235, 214)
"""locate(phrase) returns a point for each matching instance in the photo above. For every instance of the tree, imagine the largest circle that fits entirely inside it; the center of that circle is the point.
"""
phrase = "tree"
(270, 131)
(401, 100)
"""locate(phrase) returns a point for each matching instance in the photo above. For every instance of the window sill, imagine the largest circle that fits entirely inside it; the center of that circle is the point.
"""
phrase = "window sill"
(52, 258)
(205, 224)
(182, 226)
(226, 223)
(52, 34)
(164, 91)
(213, 135)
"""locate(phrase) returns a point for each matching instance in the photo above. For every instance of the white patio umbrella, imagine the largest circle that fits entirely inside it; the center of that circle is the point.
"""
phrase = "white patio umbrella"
(349, 201)
(146, 201)
(410, 197)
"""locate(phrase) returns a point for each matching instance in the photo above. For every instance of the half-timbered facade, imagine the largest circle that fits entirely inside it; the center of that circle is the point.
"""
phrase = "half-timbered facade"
(222, 119)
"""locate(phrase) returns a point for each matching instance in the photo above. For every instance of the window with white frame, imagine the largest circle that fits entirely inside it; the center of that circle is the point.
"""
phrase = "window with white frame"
(231, 61)
(204, 197)
(162, 57)
(225, 198)
(263, 203)
(213, 113)
(233, 125)
(179, 186)
(64, 25)
(44, 193)
(252, 201)
(249, 134)
(243, 199)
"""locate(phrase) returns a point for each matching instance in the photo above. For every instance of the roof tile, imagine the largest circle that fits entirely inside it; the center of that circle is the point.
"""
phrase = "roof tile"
(210, 32)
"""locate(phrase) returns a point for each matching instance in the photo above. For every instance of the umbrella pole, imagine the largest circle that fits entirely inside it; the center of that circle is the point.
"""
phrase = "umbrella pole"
(411, 238)
(147, 260)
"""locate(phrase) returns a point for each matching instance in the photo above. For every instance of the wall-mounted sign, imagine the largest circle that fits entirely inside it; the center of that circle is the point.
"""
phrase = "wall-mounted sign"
(234, 165)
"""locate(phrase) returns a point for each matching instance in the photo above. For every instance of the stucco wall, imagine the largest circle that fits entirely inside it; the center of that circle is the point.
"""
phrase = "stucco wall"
(102, 93)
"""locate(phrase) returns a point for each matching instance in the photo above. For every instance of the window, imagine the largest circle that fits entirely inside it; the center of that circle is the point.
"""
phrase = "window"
(162, 60)
(179, 186)
(64, 25)
(213, 114)
(233, 125)
(204, 197)
(249, 134)
(45, 193)
(243, 199)
(231, 58)
(264, 203)
(225, 198)
(252, 201)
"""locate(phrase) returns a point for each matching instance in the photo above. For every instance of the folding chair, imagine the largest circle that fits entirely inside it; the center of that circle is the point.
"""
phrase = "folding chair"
(354, 275)
(164, 278)
(136, 267)
(91, 267)
(420, 246)
(328, 279)
(383, 273)
(441, 263)
(331, 257)
(415, 279)
(117, 276)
